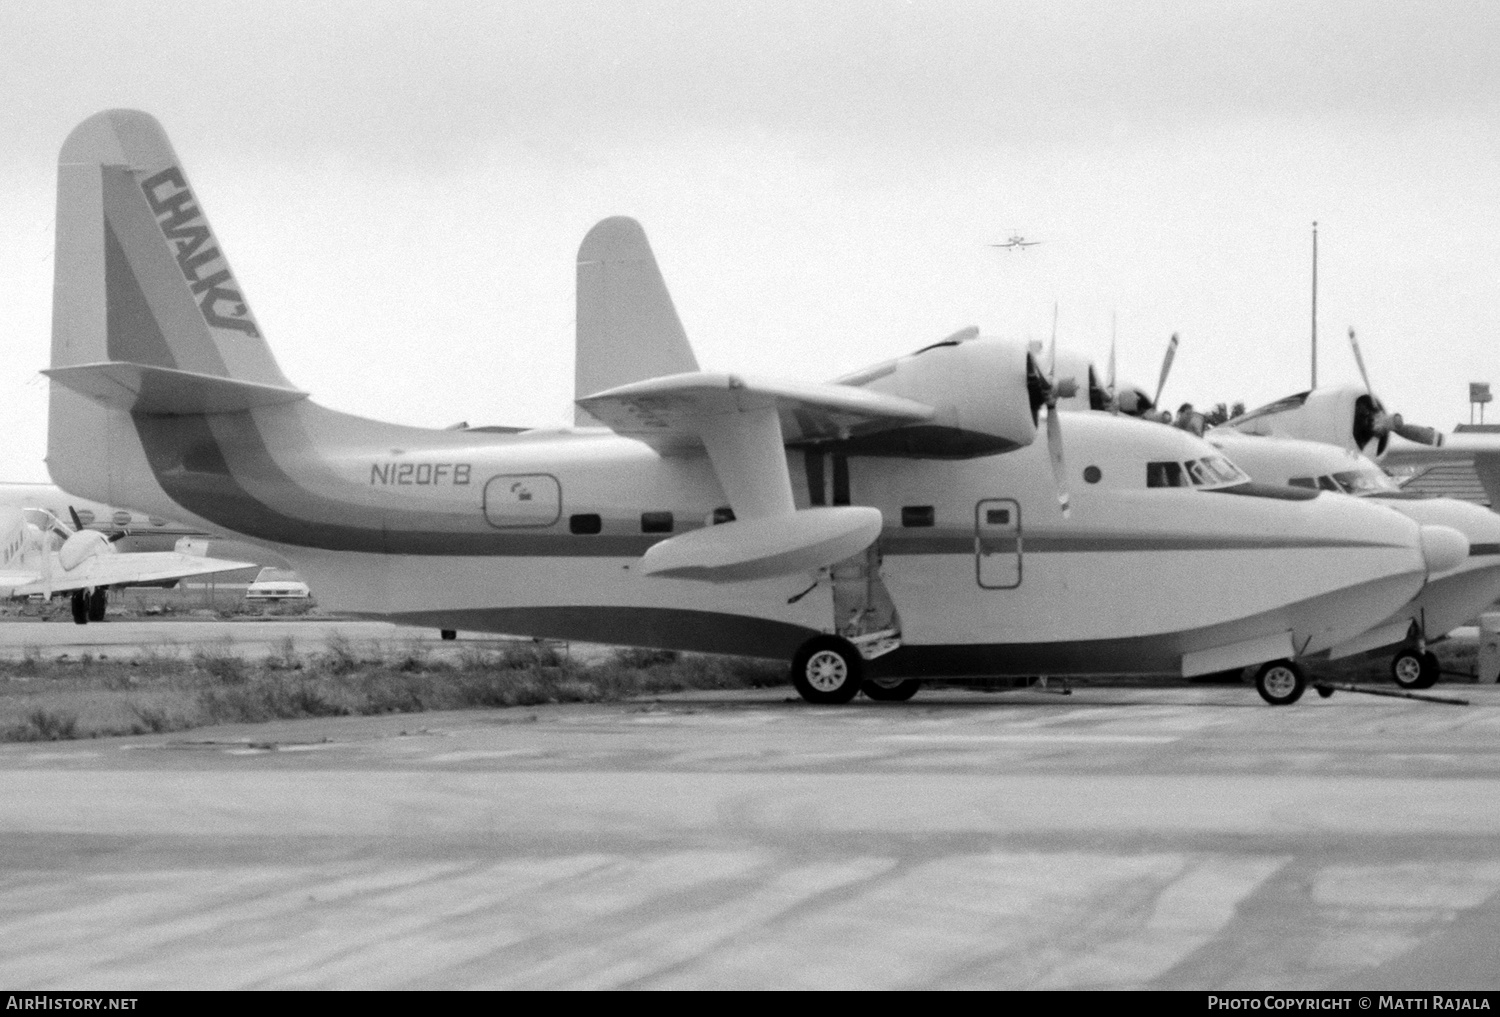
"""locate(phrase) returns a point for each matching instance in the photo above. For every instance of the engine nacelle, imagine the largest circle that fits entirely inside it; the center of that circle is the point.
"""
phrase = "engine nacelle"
(82, 545)
(986, 392)
(1344, 415)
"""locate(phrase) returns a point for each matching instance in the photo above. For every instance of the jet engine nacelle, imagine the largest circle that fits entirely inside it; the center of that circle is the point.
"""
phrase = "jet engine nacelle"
(81, 545)
(986, 393)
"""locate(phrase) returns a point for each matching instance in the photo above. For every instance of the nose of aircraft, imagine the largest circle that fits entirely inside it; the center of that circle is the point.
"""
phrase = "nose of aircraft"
(1443, 548)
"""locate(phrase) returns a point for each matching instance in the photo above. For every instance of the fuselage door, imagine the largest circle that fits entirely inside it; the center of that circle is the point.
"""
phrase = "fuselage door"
(997, 543)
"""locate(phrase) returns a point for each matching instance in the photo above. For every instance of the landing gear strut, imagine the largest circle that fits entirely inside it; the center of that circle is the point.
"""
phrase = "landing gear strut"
(1412, 669)
(97, 603)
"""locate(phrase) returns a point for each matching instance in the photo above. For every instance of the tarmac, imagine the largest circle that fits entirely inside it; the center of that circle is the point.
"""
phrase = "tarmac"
(1174, 838)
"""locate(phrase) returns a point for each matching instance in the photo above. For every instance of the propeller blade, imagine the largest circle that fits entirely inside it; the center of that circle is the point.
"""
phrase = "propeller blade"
(1166, 369)
(1052, 371)
(1360, 360)
(1055, 453)
(1114, 402)
(77, 522)
(1416, 432)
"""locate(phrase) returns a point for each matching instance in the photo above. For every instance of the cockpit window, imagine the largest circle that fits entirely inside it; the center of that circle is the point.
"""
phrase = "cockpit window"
(1210, 471)
(1166, 475)
(1365, 481)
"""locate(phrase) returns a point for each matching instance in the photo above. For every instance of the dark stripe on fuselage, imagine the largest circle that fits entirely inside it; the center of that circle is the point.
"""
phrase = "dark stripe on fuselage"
(191, 460)
(1481, 550)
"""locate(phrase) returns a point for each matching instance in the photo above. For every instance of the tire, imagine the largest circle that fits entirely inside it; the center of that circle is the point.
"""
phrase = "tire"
(1413, 670)
(1280, 683)
(98, 603)
(890, 690)
(80, 607)
(448, 634)
(827, 670)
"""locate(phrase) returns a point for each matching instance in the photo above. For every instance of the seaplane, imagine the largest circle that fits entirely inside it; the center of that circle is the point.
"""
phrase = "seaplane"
(42, 556)
(911, 520)
(1268, 455)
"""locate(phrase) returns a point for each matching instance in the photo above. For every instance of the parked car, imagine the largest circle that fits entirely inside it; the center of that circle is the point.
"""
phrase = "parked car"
(277, 584)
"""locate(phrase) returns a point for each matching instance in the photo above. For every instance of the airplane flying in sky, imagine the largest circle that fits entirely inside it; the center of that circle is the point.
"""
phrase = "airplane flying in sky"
(1016, 241)
(905, 522)
(85, 563)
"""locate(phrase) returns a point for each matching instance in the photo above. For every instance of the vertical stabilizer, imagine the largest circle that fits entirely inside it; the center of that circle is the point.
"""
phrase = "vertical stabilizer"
(628, 330)
(140, 278)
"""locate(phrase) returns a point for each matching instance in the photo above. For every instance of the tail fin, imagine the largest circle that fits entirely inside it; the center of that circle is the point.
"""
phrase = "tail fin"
(628, 330)
(140, 279)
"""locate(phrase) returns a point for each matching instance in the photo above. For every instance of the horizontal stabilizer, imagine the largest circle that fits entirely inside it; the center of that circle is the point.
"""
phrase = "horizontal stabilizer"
(763, 548)
(1241, 654)
(165, 391)
(666, 412)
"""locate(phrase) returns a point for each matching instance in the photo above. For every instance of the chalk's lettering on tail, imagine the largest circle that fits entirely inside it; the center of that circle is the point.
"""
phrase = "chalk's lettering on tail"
(204, 268)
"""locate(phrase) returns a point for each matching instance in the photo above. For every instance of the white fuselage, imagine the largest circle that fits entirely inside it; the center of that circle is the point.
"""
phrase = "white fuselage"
(1446, 600)
(1137, 577)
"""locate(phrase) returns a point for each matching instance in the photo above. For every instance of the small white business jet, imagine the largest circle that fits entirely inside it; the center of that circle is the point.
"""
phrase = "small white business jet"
(900, 524)
(85, 562)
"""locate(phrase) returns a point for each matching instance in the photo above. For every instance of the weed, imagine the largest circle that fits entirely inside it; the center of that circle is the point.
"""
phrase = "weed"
(284, 657)
(43, 726)
(640, 656)
(218, 659)
(339, 655)
(156, 720)
(31, 660)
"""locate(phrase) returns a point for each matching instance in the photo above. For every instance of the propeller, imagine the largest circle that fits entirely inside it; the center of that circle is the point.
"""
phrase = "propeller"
(1166, 369)
(78, 526)
(1056, 390)
(1380, 423)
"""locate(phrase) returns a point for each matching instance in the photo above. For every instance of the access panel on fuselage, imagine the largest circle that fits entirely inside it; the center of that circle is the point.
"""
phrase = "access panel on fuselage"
(997, 543)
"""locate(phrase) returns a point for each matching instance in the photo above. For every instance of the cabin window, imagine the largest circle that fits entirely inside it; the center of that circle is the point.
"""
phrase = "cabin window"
(997, 517)
(1166, 475)
(1093, 474)
(722, 514)
(917, 515)
(656, 522)
(585, 522)
(1329, 484)
(1307, 482)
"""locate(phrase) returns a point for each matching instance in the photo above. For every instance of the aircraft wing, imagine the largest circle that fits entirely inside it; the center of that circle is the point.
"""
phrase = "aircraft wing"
(1481, 447)
(122, 569)
(668, 413)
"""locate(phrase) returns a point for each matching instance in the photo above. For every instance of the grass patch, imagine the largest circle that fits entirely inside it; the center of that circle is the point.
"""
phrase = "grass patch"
(165, 689)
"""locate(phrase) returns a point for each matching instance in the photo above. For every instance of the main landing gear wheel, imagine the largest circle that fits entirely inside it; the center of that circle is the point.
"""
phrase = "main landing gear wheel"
(890, 690)
(97, 604)
(1280, 683)
(1413, 670)
(827, 670)
(448, 634)
(80, 607)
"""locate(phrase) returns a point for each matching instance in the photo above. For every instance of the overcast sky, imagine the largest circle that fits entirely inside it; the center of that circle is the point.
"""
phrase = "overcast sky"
(402, 187)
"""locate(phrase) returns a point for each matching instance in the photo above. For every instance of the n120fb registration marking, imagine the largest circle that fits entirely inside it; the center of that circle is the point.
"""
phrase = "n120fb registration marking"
(429, 474)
